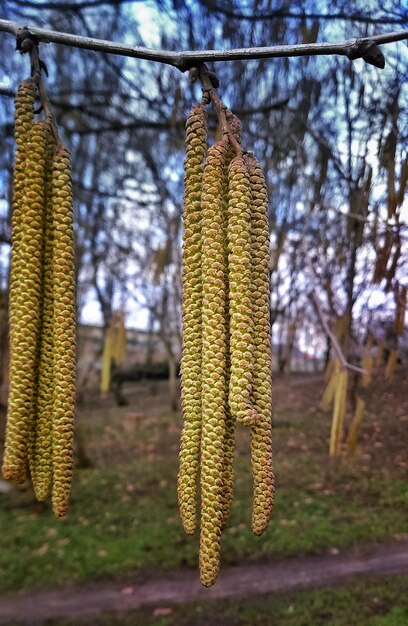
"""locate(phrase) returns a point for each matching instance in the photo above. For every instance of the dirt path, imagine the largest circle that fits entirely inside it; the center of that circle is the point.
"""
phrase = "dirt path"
(181, 587)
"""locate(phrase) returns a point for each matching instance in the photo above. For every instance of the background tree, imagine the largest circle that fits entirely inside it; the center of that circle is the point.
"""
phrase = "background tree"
(331, 136)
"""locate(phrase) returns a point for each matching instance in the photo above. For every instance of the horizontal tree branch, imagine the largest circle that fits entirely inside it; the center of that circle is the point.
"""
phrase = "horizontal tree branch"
(352, 48)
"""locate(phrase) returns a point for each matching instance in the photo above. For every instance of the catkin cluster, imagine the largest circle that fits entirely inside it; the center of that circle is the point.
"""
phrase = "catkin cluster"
(226, 360)
(42, 310)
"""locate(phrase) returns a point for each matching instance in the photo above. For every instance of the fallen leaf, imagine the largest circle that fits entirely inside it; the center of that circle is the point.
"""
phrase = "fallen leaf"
(63, 542)
(162, 611)
(42, 550)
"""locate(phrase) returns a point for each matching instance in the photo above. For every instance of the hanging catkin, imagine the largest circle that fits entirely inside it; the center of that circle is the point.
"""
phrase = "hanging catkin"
(24, 105)
(261, 433)
(196, 148)
(42, 463)
(226, 361)
(239, 264)
(26, 320)
(229, 433)
(214, 383)
(64, 330)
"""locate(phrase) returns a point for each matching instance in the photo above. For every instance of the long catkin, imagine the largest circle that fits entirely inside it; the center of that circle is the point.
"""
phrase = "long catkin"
(41, 470)
(23, 120)
(24, 107)
(214, 384)
(196, 148)
(261, 433)
(26, 307)
(64, 331)
(226, 360)
(239, 264)
(230, 423)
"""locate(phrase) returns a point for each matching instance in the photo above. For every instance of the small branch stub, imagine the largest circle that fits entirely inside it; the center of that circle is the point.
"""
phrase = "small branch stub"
(25, 40)
(369, 51)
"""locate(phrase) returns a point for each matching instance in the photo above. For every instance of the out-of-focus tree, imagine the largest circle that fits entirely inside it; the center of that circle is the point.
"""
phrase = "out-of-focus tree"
(331, 136)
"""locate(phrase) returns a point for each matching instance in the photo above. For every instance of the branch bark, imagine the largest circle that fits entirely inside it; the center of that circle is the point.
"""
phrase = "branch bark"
(351, 48)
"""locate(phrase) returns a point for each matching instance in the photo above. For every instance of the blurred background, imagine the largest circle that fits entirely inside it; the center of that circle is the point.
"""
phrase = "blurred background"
(331, 136)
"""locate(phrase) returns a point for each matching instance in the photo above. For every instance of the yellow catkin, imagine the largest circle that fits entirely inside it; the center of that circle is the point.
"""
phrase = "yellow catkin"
(24, 106)
(229, 434)
(27, 278)
(241, 319)
(41, 467)
(343, 407)
(391, 364)
(120, 339)
(339, 410)
(261, 433)
(196, 148)
(330, 389)
(106, 360)
(64, 330)
(355, 426)
(214, 361)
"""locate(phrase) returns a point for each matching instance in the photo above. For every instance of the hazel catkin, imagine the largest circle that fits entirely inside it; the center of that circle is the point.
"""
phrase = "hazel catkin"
(26, 321)
(41, 470)
(196, 148)
(261, 433)
(214, 387)
(64, 331)
(226, 360)
(239, 264)
(23, 120)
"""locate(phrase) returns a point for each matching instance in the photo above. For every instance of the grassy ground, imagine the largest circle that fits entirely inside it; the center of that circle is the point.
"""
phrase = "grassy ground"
(368, 604)
(124, 518)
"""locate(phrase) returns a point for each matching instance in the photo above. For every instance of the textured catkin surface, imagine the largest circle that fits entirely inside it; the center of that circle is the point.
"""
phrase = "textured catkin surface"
(241, 319)
(229, 434)
(214, 359)
(261, 434)
(41, 470)
(196, 148)
(23, 120)
(26, 307)
(64, 331)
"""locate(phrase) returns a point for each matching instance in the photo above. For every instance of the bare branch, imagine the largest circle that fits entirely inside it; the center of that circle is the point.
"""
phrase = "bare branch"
(351, 48)
(333, 339)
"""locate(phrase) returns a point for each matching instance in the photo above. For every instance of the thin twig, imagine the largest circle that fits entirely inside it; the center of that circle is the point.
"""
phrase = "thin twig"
(219, 107)
(36, 69)
(333, 339)
(314, 297)
(351, 48)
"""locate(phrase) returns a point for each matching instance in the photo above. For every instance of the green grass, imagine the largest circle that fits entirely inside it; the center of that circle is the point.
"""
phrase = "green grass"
(126, 519)
(123, 516)
(373, 603)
